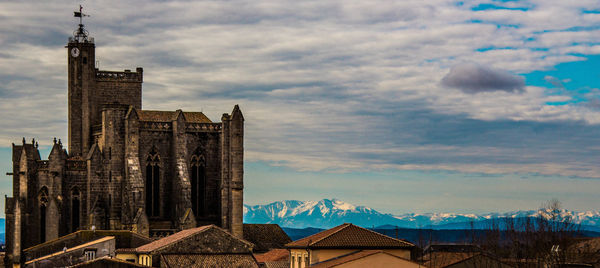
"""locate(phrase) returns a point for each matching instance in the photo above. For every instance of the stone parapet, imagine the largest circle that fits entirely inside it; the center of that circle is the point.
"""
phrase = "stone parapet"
(125, 76)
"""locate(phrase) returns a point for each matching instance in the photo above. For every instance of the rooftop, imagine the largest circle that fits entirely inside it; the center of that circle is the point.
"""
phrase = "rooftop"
(278, 254)
(349, 235)
(265, 236)
(163, 242)
(73, 248)
(168, 116)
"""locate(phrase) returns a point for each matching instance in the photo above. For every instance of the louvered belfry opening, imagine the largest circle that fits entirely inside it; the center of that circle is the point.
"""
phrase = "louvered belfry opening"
(75, 208)
(43, 201)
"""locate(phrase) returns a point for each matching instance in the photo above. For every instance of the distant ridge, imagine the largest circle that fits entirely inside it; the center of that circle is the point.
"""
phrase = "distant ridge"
(327, 213)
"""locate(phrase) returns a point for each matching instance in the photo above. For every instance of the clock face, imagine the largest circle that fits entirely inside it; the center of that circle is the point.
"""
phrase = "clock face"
(75, 52)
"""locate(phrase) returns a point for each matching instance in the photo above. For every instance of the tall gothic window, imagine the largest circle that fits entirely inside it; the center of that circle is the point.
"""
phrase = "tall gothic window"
(198, 183)
(75, 208)
(43, 201)
(152, 183)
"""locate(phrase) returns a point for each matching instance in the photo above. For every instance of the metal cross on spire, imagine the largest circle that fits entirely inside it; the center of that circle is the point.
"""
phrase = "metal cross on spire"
(80, 34)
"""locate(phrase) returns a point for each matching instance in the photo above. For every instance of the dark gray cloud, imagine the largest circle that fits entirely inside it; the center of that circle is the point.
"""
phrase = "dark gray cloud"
(474, 78)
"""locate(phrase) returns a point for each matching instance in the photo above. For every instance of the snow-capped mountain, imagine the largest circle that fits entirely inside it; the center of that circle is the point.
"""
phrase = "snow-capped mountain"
(325, 213)
(328, 213)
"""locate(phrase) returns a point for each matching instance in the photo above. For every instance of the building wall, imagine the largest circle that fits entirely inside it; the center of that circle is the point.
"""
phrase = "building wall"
(381, 260)
(320, 255)
(106, 160)
(326, 254)
(299, 253)
(127, 257)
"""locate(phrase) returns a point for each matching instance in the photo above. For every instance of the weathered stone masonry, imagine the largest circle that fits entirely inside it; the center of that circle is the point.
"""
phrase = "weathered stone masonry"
(153, 172)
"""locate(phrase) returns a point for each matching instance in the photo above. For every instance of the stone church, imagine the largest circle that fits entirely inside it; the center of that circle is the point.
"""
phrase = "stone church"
(125, 168)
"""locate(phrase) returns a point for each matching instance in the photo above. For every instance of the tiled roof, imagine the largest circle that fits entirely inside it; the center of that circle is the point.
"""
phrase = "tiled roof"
(443, 259)
(277, 264)
(586, 251)
(104, 239)
(273, 255)
(208, 260)
(265, 236)
(354, 256)
(124, 239)
(349, 235)
(196, 117)
(452, 248)
(125, 250)
(168, 116)
(171, 239)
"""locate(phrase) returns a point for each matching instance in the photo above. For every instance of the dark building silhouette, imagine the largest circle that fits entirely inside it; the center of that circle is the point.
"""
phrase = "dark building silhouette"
(126, 168)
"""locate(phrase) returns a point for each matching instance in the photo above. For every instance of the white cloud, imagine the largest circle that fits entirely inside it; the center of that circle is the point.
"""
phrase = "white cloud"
(302, 69)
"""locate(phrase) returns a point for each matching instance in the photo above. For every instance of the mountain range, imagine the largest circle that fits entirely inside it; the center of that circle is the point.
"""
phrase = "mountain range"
(327, 213)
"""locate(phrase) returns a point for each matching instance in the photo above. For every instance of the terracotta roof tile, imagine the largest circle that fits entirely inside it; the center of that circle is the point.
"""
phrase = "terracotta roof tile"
(273, 255)
(304, 242)
(196, 117)
(277, 264)
(208, 260)
(168, 116)
(349, 235)
(152, 246)
(265, 236)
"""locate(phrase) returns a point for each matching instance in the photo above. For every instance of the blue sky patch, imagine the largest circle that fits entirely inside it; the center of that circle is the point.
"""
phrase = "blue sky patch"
(575, 79)
(482, 7)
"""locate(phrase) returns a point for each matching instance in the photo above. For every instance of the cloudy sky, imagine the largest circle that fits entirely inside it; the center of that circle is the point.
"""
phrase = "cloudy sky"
(403, 106)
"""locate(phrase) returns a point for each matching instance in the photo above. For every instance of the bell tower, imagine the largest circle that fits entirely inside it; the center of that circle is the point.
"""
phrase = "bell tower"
(81, 81)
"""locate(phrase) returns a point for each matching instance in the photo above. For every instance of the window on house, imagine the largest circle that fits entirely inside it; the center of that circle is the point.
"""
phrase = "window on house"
(306, 264)
(198, 183)
(152, 183)
(299, 261)
(293, 261)
(90, 254)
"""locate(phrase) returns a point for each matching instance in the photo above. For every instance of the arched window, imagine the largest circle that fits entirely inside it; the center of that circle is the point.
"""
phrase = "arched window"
(43, 201)
(152, 183)
(198, 183)
(75, 208)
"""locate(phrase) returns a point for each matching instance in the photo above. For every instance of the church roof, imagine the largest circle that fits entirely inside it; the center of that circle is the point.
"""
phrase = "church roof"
(265, 236)
(199, 240)
(168, 116)
(349, 235)
(158, 244)
(208, 260)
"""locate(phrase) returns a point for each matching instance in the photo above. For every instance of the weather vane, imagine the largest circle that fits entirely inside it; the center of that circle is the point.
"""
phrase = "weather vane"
(80, 34)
